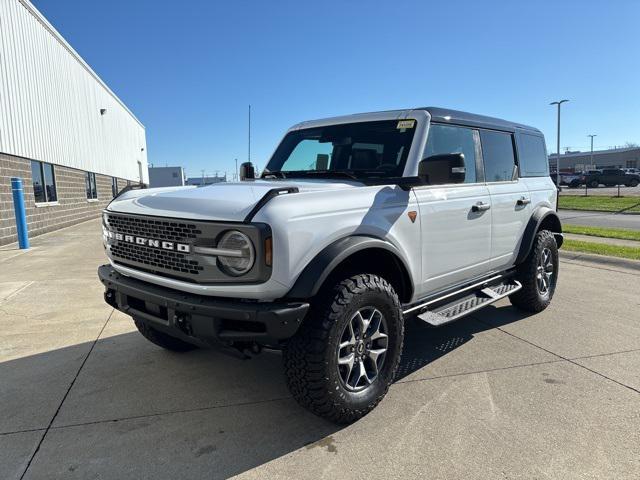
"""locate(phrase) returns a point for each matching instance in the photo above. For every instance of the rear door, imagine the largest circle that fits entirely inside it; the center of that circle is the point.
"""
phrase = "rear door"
(510, 197)
(456, 237)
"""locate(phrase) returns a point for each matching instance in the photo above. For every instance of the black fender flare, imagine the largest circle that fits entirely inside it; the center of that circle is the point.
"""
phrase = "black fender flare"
(318, 270)
(541, 214)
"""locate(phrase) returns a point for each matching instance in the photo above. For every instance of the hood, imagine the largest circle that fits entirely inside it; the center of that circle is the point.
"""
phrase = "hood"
(222, 201)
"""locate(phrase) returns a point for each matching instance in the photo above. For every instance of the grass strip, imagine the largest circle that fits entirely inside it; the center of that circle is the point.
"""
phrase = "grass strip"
(601, 249)
(600, 204)
(621, 233)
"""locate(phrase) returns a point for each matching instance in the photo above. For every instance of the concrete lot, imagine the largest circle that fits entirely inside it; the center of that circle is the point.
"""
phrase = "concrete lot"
(500, 395)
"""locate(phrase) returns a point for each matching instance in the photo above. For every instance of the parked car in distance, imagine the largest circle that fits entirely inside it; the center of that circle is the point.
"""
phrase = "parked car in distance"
(632, 171)
(610, 177)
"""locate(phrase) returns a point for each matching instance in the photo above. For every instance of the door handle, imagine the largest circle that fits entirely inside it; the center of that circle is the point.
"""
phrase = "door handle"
(522, 201)
(480, 207)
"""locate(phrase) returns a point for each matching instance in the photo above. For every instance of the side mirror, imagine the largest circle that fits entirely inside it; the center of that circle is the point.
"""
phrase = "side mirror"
(247, 171)
(442, 169)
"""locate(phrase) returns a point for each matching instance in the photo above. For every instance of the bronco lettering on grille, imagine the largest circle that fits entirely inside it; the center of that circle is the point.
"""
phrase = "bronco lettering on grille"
(150, 242)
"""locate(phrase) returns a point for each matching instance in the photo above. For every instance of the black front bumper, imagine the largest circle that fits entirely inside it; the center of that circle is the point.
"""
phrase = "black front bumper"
(201, 319)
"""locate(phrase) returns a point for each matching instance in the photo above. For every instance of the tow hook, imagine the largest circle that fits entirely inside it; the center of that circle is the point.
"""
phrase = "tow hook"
(183, 323)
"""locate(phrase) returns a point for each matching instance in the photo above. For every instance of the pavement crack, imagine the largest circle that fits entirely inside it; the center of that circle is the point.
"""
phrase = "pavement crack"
(84, 361)
(559, 356)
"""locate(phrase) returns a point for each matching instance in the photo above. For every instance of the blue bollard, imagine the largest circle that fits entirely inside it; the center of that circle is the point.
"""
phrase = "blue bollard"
(21, 214)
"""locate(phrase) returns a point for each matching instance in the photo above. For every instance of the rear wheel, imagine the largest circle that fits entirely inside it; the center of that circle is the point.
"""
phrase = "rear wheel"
(162, 339)
(343, 359)
(538, 275)
(633, 183)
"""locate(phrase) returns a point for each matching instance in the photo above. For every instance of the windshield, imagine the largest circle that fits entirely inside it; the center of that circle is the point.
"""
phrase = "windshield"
(353, 150)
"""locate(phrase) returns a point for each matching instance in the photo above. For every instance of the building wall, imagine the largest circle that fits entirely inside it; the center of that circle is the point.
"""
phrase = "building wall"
(72, 206)
(615, 158)
(50, 102)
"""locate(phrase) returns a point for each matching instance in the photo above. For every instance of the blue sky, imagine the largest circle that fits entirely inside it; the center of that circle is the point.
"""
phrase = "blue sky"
(188, 70)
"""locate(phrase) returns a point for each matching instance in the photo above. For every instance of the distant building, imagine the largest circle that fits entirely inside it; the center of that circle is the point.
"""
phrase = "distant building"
(199, 181)
(166, 177)
(613, 158)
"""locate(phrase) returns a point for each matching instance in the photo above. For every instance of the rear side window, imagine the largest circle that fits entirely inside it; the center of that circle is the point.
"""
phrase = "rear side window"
(532, 156)
(445, 139)
(498, 156)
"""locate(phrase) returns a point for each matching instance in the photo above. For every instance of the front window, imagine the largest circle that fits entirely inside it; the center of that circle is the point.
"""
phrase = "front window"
(354, 150)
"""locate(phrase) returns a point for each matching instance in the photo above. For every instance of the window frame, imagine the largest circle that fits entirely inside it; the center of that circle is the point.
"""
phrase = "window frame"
(93, 188)
(47, 200)
(480, 178)
(514, 145)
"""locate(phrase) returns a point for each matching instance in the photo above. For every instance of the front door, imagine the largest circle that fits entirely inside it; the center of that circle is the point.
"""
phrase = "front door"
(455, 218)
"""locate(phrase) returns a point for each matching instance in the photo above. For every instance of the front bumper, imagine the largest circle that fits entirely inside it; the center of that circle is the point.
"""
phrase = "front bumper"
(201, 319)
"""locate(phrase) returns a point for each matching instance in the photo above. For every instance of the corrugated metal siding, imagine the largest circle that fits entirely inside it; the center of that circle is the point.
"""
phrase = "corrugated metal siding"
(50, 102)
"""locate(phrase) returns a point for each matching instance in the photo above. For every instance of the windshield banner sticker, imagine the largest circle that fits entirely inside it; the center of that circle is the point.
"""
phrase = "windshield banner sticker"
(402, 124)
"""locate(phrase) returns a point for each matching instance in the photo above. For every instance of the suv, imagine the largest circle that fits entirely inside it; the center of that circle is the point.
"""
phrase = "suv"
(356, 224)
(610, 177)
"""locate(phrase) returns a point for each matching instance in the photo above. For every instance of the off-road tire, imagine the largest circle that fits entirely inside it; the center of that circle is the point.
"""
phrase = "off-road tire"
(310, 357)
(529, 298)
(162, 339)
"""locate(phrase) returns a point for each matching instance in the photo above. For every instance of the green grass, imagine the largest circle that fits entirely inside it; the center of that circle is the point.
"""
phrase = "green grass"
(601, 204)
(601, 249)
(621, 233)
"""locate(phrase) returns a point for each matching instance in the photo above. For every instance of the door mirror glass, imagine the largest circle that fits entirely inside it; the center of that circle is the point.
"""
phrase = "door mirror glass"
(443, 169)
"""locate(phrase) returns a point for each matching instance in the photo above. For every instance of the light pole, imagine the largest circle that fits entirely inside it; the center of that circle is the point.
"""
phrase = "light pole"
(558, 103)
(592, 149)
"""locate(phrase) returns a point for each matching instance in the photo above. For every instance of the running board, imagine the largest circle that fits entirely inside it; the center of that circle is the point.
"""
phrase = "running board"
(475, 300)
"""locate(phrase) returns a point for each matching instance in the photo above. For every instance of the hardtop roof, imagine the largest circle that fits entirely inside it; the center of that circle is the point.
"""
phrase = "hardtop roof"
(457, 117)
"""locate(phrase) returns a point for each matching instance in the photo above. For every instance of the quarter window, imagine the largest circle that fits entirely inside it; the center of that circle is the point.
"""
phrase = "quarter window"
(92, 190)
(44, 182)
(532, 156)
(498, 156)
(445, 139)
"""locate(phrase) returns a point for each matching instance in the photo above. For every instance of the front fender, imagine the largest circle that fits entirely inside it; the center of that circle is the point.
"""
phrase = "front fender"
(316, 272)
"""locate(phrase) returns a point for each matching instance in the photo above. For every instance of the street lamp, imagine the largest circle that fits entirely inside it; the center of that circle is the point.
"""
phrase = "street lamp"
(558, 150)
(592, 149)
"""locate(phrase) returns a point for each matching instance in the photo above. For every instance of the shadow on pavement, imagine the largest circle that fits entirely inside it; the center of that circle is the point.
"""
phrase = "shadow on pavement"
(135, 408)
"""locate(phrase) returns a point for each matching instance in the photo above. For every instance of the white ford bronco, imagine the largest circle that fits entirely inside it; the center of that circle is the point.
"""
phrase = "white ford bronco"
(356, 223)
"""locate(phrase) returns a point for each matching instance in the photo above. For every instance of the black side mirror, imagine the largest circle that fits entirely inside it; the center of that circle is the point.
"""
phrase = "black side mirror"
(247, 171)
(442, 169)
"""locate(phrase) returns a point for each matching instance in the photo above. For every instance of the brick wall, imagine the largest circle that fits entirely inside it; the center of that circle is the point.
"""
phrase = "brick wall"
(72, 205)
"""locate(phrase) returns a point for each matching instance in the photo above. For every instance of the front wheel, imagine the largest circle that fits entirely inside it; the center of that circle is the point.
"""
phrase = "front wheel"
(633, 183)
(594, 184)
(341, 362)
(538, 275)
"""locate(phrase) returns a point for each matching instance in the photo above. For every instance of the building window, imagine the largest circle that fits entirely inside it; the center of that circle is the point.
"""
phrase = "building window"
(44, 182)
(632, 163)
(92, 189)
(114, 186)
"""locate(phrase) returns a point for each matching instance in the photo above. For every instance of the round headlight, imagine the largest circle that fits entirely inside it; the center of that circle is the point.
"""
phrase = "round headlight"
(241, 253)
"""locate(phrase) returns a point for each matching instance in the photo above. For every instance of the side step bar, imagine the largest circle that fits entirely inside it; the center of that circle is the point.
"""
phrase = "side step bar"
(475, 300)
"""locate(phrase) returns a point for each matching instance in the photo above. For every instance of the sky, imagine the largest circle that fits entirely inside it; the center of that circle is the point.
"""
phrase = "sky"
(188, 70)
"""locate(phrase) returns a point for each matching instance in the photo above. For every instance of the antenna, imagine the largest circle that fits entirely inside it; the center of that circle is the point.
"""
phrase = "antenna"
(249, 159)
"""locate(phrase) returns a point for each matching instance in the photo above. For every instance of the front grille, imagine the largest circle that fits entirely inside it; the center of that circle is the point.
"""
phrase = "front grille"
(178, 260)
(156, 258)
(152, 228)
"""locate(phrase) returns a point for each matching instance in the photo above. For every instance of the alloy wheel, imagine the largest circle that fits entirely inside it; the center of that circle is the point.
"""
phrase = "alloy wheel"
(544, 271)
(362, 348)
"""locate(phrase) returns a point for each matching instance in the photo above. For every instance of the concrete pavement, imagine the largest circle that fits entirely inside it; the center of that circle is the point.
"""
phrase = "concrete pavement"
(600, 219)
(499, 395)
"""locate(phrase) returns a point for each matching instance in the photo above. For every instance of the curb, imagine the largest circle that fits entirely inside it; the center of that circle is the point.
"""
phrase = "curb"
(601, 259)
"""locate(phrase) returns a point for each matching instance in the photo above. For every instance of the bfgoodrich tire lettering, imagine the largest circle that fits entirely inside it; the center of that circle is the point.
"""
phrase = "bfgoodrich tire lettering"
(311, 358)
(538, 275)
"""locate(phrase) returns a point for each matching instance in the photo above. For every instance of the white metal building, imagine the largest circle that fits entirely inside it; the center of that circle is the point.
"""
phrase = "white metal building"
(55, 110)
